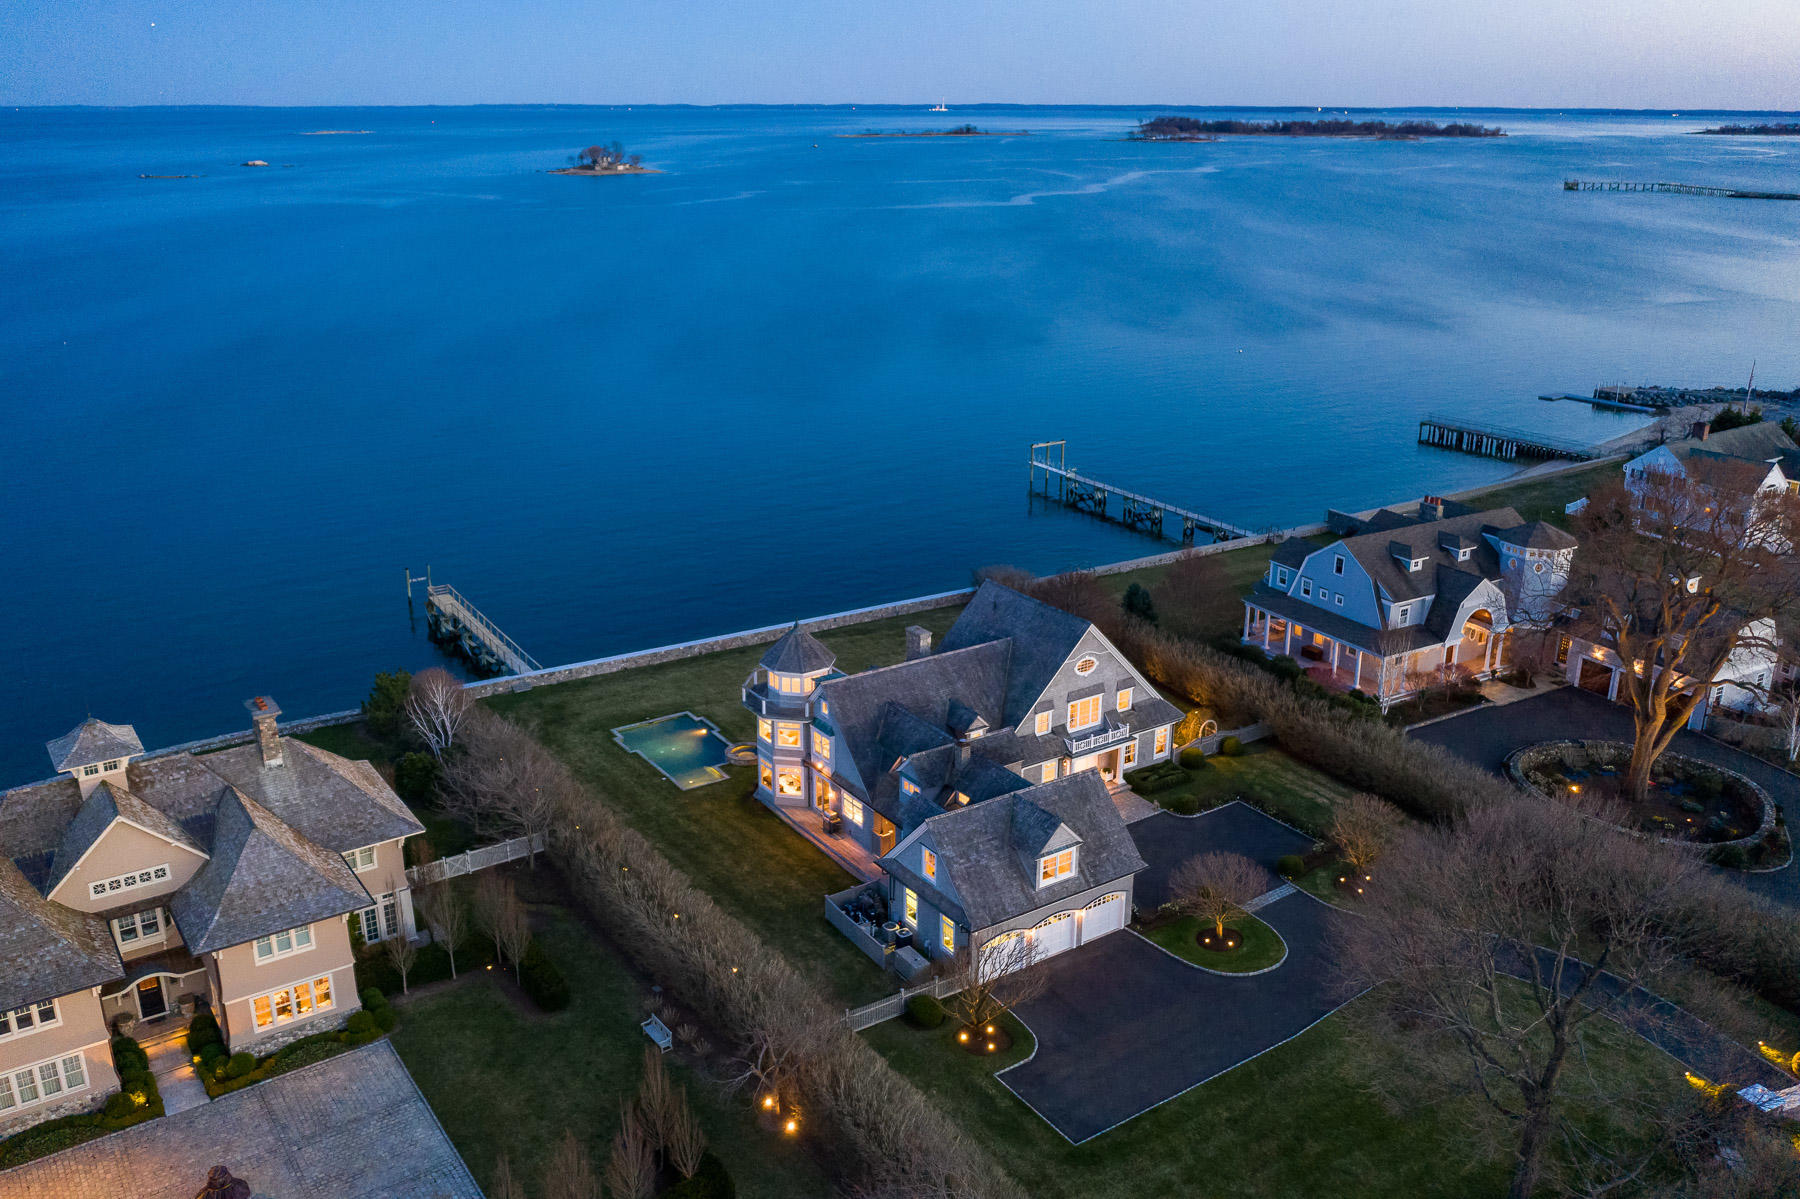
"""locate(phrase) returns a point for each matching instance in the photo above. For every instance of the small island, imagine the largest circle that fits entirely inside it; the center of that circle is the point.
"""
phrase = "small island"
(332, 132)
(1787, 129)
(1192, 129)
(606, 160)
(959, 131)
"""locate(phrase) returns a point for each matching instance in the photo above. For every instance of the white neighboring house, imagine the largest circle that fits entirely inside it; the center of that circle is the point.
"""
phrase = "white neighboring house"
(1768, 456)
(1744, 683)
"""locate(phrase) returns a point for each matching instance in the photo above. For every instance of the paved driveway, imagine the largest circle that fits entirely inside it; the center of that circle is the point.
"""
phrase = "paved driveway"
(1487, 735)
(1124, 1026)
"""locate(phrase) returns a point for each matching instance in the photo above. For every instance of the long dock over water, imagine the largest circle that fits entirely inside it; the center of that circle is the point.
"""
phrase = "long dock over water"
(453, 619)
(1053, 478)
(1680, 189)
(1498, 441)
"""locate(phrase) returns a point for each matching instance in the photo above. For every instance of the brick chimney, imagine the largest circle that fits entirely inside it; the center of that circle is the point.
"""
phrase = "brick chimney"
(1700, 430)
(263, 713)
(918, 642)
(1431, 508)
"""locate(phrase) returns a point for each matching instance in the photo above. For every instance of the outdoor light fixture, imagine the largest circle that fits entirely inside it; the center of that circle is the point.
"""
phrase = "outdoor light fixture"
(962, 1036)
(768, 1102)
(990, 1047)
(792, 1127)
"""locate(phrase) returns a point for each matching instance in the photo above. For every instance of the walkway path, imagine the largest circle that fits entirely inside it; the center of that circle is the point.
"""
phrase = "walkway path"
(176, 1078)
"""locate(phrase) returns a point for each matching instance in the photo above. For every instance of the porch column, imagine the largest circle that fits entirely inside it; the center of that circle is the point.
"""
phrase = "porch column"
(1357, 685)
(1266, 622)
(1248, 610)
(1487, 655)
(1335, 645)
(1287, 638)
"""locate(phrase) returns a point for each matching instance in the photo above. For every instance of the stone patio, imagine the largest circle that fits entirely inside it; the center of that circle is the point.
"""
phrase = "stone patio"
(351, 1127)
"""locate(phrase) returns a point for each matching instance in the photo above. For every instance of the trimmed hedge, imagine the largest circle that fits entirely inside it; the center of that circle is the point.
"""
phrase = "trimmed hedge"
(1159, 777)
(120, 1111)
(923, 1011)
(1193, 757)
(543, 980)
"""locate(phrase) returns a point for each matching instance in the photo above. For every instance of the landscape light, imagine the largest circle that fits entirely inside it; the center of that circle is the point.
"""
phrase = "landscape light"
(768, 1102)
(962, 1036)
(793, 1126)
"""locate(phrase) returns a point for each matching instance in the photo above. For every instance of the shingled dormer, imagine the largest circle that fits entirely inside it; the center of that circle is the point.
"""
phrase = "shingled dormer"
(94, 752)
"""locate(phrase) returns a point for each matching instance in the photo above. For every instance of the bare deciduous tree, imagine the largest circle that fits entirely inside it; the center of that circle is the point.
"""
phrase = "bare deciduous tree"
(1494, 947)
(994, 978)
(504, 1185)
(657, 1097)
(401, 954)
(1216, 886)
(1681, 576)
(1362, 827)
(436, 708)
(513, 931)
(571, 1172)
(503, 781)
(631, 1168)
(445, 915)
(682, 1138)
(493, 893)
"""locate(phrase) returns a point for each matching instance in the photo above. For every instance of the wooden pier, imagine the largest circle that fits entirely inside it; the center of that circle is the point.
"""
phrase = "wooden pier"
(1497, 441)
(1680, 189)
(454, 621)
(1052, 477)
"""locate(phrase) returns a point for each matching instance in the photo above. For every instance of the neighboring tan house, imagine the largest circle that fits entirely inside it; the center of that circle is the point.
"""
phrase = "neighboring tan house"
(1408, 597)
(133, 886)
(1020, 698)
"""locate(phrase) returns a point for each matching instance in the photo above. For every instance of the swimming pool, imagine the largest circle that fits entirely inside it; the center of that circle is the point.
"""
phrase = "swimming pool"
(688, 750)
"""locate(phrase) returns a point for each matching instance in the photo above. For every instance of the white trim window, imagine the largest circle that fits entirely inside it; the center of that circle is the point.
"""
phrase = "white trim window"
(1084, 712)
(146, 927)
(853, 810)
(43, 1081)
(765, 731)
(789, 781)
(821, 745)
(1128, 754)
(1125, 699)
(30, 1018)
(1055, 867)
(1306, 588)
(296, 1001)
(283, 944)
(362, 859)
(1043, 724)
(947, 934)
(912, 908)
(787, 736)
(1049, 771)
(90, 770)
(125, 882)
(929, 860)
(1161, 746)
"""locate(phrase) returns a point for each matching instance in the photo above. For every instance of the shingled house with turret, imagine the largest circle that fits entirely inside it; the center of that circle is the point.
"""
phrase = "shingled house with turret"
(133, 887)
(976, 777)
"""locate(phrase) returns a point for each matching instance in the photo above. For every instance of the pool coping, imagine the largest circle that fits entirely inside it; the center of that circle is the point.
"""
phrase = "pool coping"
(698, 719)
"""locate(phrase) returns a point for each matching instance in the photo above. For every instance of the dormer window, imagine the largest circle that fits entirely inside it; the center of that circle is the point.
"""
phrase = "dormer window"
(1401, 613)
(930, 860)
(1056, 866)
(1043, 724)
(908, 787)
(821, 745)
(1124, 699)
(1281, 577)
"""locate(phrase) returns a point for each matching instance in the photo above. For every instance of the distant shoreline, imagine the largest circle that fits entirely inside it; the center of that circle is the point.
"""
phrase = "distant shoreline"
(1192, 129)
(1788, 129)
(947, 133)
(332, 132)
(604, 171)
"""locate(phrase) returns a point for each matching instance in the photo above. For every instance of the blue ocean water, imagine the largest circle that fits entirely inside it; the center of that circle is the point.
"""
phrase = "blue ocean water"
(795, 372)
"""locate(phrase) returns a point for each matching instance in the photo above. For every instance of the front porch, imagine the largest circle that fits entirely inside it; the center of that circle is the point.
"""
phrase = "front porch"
(1338, 665)
(158, 994)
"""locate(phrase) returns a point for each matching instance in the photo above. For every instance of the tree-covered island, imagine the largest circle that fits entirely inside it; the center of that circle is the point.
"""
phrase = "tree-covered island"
(606, 160)
(1784, 129)
(1187, 129)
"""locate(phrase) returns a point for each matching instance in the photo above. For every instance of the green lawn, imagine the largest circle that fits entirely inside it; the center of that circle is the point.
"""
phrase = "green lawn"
(1299, 1120)
(1544, 499)
(1242, 569)
(502, 1076)
(1262, 946)
(1267, 778)
(1321, 883)
(720, 836)
(354, 742)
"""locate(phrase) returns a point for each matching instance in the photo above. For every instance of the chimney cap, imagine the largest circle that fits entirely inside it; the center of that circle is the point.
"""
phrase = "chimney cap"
(262, 706)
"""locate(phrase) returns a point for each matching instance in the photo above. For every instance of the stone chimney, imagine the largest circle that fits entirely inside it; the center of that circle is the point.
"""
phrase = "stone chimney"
(263, 713)
(918, 642)
(1431, 508)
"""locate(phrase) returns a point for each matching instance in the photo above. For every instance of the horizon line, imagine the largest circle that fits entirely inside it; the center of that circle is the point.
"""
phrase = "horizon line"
(1671, 110)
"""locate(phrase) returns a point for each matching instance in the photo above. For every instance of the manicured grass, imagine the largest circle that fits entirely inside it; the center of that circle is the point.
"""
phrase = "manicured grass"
(1262, 946)
(1301, 1119)
(1267, 778)
(1544, 499)
(731, 846)
(1321, 882)
(504, 1077)
(1241, 567)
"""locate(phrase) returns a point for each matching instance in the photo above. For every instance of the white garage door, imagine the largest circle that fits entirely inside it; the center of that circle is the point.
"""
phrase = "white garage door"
(1054, 935)
(1104, 915)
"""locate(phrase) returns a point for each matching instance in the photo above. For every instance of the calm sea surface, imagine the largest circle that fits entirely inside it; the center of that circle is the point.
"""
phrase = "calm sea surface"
(793, 373)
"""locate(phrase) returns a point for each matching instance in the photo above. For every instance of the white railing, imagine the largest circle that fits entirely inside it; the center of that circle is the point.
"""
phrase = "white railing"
(1080, 745)
(475, 859)
(487, 628)
(871, 1014)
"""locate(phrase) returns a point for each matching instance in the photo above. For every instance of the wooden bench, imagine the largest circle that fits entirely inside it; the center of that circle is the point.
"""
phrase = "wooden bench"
(659, 1032)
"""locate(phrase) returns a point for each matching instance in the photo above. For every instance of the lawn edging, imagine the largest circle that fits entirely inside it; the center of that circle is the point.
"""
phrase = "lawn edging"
(1189, 962)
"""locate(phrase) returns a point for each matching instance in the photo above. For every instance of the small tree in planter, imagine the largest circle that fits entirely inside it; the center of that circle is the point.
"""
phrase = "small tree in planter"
(1215, 887)
(993, 979)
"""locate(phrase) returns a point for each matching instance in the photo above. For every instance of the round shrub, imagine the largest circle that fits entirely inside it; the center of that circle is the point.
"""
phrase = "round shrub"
(240, 1065)
(119, 1106)
(1193, 757)
(1290, 865)
(710, 1181)
(1183, 805)
(922, 1011)
(1231, 747)
(202, 1031)
(386, 1018)
(360, 1024)
(372, 998)
(416, 777)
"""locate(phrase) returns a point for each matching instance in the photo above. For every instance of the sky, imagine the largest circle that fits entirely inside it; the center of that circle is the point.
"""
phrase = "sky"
(1674, 54)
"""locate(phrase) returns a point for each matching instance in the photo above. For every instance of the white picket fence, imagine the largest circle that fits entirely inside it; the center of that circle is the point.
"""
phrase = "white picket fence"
(475, 859)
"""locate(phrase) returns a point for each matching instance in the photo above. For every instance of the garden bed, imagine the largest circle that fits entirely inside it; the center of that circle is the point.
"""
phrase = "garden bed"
(1691, 804)
(1254, 946)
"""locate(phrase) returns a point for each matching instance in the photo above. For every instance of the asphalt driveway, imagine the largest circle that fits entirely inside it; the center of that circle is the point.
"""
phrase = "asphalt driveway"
(1487, 736)
(1124, 1026)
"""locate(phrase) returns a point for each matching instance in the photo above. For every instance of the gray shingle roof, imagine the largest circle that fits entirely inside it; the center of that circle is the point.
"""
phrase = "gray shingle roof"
(1334, 624)
(103, 805)
(263, 878)
(337, 803)
(798, 652)
(1293, 551)
(894, 710)
(988, 849)
(93, 741)
(1042, 639)
(48, 950)
(1750, 443)
(1376, 551)
(1536, 535)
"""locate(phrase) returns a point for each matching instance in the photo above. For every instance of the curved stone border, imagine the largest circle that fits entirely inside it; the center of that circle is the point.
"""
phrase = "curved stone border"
(1516, 773)
(1208, 969)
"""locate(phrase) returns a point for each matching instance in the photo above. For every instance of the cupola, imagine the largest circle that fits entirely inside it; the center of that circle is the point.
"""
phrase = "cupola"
(94, 752)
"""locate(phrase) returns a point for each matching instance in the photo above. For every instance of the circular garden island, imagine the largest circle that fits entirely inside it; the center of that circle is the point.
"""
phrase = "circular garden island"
(1245, 945)
(1691, 804)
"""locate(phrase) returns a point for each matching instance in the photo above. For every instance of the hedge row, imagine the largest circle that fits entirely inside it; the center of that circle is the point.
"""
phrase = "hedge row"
(121, 1110)
(222, 1072)
(873, 1125)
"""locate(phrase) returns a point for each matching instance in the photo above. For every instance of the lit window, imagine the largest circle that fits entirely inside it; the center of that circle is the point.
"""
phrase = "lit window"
(909, 787)
(1049, 771)
(787, 735)
(1086, 666)
(764, 730)
(1124, 699)
(284, 943)
(1043, 724)
(787, 781)
(1128, 754)
(946, 934)
(1084, 712)
(821, 745)
(294, 1002)
(1055, 866)
(930, 864)
(362, 859)
(1162, 742)
(912, 907)
(767, 774)
(853, 810)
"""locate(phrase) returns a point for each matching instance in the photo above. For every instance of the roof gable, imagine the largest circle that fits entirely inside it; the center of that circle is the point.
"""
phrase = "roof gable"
(107, 808)
(1042, 637)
